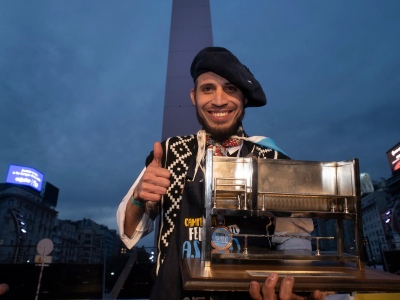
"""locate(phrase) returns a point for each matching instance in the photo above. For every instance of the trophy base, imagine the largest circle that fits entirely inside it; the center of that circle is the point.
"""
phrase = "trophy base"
(234, 275)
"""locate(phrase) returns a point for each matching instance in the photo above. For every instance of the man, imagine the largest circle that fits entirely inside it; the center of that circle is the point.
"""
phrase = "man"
(172, 182)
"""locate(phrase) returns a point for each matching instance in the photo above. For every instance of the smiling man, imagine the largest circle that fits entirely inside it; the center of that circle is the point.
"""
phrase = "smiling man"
(219, 105)
(171, 184)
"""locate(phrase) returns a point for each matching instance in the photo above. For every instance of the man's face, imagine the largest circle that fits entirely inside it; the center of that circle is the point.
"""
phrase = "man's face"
(219, 105)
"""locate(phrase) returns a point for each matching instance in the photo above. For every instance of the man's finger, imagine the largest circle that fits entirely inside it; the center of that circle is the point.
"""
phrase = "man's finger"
(286, 288)
(268, 288)
(318, 295)
(254, 291)
(157, 154)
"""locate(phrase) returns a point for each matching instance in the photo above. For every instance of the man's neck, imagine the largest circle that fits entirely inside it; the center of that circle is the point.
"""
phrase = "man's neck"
(222, 137)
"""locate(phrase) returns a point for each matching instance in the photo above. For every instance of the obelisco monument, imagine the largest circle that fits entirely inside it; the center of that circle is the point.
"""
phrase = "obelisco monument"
(190, 32)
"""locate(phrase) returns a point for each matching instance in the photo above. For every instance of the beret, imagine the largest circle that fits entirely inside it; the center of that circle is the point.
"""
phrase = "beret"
(222, 62)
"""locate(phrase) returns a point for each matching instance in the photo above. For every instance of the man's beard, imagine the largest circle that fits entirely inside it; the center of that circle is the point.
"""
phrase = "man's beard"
(217, 133)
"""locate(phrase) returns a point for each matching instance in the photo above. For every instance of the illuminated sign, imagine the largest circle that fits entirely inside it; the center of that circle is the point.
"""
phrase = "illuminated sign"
(25, 176)
(393, 156)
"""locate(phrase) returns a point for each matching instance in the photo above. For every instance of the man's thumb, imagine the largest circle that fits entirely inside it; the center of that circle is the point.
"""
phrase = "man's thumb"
(157, 154)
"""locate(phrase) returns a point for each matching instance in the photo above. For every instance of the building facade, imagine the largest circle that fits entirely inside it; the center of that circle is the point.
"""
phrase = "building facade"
(26, 218)
(375, 239)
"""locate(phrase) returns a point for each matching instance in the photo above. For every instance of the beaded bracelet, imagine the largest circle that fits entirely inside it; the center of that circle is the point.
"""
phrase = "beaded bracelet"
(137, 203)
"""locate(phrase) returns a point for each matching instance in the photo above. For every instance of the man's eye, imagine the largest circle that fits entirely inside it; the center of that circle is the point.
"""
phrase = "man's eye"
(231, 89)
(207, 89)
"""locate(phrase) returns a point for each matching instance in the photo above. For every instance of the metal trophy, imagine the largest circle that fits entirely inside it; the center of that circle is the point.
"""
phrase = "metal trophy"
(253, 187)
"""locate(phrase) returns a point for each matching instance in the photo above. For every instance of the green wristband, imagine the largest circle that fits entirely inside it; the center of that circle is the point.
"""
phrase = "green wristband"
(137, 203)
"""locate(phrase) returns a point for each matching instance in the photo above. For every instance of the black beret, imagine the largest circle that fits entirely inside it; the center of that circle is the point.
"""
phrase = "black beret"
(222, 62)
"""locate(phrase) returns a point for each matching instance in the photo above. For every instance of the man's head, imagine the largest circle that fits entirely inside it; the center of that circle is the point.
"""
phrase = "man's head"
(222, 62)
(223, 88)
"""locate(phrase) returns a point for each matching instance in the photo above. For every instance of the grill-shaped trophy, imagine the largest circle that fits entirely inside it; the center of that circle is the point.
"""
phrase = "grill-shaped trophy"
(254, 188)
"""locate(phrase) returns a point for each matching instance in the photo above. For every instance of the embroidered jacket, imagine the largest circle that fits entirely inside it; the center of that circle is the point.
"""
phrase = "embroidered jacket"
(178, 152)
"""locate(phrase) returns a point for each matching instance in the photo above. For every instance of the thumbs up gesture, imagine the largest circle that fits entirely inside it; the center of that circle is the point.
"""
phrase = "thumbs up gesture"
(155, 180)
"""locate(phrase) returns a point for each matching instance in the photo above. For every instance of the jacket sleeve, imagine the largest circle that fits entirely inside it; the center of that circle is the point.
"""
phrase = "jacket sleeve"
(144, 227)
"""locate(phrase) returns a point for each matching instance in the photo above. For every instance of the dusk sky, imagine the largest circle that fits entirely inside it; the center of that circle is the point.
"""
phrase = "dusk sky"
(82, 86)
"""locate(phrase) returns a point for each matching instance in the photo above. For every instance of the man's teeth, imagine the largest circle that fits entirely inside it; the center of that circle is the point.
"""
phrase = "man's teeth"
(220, 114)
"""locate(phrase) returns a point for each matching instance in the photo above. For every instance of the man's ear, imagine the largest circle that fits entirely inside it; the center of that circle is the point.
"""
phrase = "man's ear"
(193, 96)
(245, 101)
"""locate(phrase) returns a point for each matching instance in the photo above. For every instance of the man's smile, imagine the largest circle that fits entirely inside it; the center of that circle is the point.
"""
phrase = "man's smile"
(220, 116)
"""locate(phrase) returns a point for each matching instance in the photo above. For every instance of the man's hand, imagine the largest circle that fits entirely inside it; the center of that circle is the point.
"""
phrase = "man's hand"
(285, 291)
(155, 180)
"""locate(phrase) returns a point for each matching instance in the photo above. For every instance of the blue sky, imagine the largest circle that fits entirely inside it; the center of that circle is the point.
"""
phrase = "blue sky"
(82, 86)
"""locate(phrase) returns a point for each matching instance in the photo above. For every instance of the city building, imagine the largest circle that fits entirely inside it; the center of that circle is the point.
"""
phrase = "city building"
(374, 205)
(26, 218)
(96, 242)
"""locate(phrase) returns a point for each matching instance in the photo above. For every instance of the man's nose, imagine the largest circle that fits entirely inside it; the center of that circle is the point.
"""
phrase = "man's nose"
(219, 98)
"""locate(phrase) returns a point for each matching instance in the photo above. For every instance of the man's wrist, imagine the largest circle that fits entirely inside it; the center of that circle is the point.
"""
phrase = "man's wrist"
(139, 203)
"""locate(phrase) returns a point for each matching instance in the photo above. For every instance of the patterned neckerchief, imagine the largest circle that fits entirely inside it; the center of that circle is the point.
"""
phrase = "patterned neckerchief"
(221, 149)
